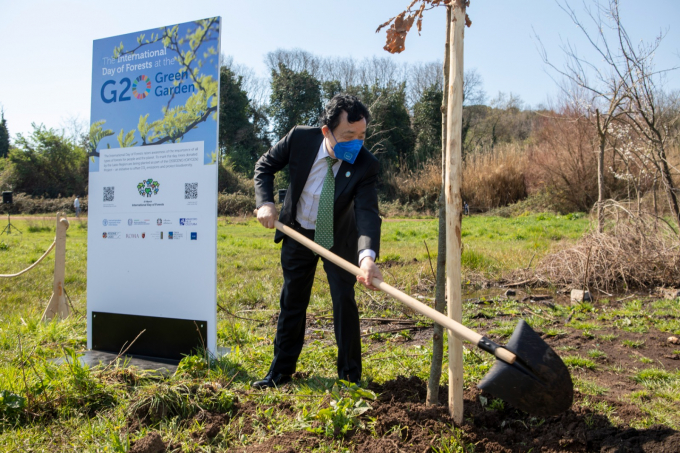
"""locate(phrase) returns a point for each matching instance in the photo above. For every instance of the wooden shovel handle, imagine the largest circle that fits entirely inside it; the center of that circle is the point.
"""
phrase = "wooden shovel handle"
(456, 328)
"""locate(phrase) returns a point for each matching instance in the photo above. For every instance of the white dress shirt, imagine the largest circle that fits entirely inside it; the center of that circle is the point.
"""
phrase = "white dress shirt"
(308, 204)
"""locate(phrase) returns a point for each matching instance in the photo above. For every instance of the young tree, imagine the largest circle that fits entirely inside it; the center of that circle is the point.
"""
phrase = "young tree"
(440, 290)
(396, 35)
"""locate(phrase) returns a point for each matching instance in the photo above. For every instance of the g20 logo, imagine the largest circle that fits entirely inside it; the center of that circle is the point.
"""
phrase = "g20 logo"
(141, 88)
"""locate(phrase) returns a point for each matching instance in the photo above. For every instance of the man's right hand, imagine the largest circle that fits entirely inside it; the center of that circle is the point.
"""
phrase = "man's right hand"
(267, 215)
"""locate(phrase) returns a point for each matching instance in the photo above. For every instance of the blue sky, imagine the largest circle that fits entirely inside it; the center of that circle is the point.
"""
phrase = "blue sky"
(47, 44)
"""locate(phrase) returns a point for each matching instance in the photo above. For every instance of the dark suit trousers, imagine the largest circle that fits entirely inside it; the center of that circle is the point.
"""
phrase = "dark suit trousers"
(299, 264)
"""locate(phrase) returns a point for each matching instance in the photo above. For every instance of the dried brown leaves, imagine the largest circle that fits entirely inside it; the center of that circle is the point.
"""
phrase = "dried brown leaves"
(635, 251)
(401, 24)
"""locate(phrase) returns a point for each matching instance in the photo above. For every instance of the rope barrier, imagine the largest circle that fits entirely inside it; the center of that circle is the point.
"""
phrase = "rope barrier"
(32, 265)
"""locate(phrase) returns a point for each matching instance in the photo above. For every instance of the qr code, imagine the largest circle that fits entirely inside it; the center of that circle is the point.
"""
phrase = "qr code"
(108, 193)
(190, 190)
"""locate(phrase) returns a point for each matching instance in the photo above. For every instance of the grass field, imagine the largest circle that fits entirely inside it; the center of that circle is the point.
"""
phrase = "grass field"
(45, 407)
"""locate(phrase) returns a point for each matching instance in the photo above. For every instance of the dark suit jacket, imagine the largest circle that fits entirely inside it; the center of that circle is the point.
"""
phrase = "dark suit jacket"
(356, 218)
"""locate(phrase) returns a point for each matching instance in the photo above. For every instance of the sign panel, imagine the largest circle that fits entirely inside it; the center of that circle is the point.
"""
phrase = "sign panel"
(152, 208)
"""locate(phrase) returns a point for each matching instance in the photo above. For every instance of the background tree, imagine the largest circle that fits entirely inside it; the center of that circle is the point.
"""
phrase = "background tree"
(295, 99)
(427, 125)
(389, 135)
(242, 131)
(4, 135)
(47, 163)
(623, 85)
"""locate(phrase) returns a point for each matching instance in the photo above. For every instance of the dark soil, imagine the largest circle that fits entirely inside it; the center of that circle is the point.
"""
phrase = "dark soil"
(212, 424)
(405, 424)
(151, 443)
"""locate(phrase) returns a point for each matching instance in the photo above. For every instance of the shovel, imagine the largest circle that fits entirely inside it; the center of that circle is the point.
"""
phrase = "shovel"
(528, 373)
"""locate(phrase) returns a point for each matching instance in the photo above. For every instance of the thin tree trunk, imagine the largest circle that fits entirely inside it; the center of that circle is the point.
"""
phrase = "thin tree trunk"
(440, 294)
(600, 175)
(668, 185)
(454, 205)
(656, 209)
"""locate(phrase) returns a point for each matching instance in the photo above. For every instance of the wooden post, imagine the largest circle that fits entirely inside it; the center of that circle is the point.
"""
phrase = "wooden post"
(57, 304)
(454, 205)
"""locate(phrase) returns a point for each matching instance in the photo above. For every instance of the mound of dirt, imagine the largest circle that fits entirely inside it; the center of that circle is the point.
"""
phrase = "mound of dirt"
(212, 424)
(151, 443)
(508, 430)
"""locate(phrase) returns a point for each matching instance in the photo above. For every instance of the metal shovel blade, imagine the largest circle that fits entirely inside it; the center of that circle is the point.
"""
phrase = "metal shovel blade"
(538, 382)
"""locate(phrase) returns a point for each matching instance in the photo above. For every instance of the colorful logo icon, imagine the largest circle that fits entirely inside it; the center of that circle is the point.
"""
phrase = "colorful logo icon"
(148, 187)
(161, 235)
(141, 87)
(104, 235)
(143, 235)
(159, 222)
(194, 236)
(169, 234)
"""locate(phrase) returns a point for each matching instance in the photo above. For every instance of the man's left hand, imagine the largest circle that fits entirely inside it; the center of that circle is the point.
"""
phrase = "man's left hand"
(371, 271)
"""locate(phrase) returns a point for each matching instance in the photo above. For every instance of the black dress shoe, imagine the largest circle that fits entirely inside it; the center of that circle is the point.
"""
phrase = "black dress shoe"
(272, 379)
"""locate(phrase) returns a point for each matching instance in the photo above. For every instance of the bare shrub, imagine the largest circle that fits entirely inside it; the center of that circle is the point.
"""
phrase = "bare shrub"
(634, 251)
(25, 204)
(235, 204)
(418, 189)
(564, 161)
(495, 178)
(230, 181)
(490, 179)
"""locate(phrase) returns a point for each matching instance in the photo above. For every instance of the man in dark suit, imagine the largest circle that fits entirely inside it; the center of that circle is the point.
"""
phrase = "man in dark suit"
(332, 198)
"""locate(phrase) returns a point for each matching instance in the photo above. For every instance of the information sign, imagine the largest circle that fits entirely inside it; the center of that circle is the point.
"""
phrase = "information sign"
(152, 202)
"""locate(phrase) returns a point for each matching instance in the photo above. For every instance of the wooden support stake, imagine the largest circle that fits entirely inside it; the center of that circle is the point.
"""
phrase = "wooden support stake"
(57, 304)
(454, 205)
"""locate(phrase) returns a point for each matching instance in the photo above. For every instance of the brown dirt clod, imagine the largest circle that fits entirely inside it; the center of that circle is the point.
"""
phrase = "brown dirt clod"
(151, 443)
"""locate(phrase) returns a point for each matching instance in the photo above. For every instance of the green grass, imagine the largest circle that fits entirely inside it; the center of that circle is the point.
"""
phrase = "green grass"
(577, 362)
(92, 405)
(589, 388)
(634, 344)
(596, 354)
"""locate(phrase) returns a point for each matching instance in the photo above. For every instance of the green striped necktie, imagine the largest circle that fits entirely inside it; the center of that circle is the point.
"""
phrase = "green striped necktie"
(324, 217)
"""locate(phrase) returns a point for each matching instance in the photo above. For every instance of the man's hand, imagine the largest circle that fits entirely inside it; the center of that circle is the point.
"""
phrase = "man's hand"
(267, 215)
(371, 271)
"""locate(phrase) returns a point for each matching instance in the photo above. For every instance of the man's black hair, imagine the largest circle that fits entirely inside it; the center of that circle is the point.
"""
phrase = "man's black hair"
(350, 104)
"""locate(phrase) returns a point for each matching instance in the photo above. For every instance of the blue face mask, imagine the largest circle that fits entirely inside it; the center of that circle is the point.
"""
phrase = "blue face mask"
(347, 151)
